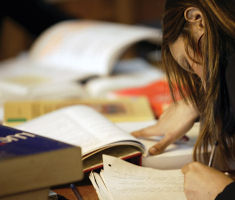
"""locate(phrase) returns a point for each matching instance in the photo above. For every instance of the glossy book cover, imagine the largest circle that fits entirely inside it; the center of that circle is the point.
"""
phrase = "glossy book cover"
(14, 142)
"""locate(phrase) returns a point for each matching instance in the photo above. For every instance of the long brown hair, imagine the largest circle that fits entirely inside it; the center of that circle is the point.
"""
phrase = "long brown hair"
(217, 122)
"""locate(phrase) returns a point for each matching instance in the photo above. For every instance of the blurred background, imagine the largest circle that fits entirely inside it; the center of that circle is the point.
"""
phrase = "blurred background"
(137, 72)
(15, 39)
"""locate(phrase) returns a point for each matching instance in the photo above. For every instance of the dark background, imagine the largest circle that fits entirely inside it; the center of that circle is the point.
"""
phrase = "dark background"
(14, 39)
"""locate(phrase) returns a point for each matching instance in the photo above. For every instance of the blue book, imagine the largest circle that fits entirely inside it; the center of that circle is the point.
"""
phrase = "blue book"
(31, 162)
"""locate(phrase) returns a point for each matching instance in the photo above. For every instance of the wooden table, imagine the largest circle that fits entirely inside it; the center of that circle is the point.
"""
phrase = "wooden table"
(87, 192)
(85, 188)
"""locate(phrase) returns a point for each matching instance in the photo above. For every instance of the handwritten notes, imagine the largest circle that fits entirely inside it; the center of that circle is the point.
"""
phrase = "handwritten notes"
(124, 180)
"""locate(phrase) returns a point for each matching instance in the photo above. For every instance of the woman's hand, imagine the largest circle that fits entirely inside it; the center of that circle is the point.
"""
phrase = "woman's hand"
(174, 123)
(203, 182)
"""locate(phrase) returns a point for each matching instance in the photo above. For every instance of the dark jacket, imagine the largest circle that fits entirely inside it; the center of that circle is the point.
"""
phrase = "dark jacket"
(229, 192)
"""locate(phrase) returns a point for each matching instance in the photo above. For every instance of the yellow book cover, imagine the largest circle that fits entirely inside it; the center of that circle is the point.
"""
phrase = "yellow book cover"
(116, 110)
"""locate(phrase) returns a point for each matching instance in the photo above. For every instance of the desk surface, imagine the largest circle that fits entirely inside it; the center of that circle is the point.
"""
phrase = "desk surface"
(86, 191)
(85, 188)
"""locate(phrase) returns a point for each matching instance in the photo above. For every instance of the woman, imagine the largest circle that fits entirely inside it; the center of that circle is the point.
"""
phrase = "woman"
(198, 53)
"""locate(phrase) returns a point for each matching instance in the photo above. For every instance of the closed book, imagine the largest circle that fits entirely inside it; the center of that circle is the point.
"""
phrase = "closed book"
(31, 162)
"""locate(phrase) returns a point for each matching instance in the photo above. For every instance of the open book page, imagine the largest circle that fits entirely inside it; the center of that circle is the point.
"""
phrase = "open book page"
(82, 126)
(21, 72)
(127, 181)
(20, 79)
(175, 156)
(88, 46)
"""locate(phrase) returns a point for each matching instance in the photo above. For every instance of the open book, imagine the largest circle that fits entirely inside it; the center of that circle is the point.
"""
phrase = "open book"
(175, 156)
(70, 51)
(82, 126)
(123, 180)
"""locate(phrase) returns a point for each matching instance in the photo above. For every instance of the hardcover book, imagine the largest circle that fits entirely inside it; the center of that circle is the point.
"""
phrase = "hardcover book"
(31, 162)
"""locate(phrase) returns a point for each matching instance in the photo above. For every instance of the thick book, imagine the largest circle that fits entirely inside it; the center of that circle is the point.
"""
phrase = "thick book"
(123, 180)
(83, 126)
(115, 109)
(67, 52)
(40, 194)
(30, 162)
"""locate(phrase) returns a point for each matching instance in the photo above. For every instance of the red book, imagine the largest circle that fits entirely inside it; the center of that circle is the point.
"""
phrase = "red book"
(158, 93)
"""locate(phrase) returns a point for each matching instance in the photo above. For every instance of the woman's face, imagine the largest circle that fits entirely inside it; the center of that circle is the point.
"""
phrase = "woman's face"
(184, 60)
